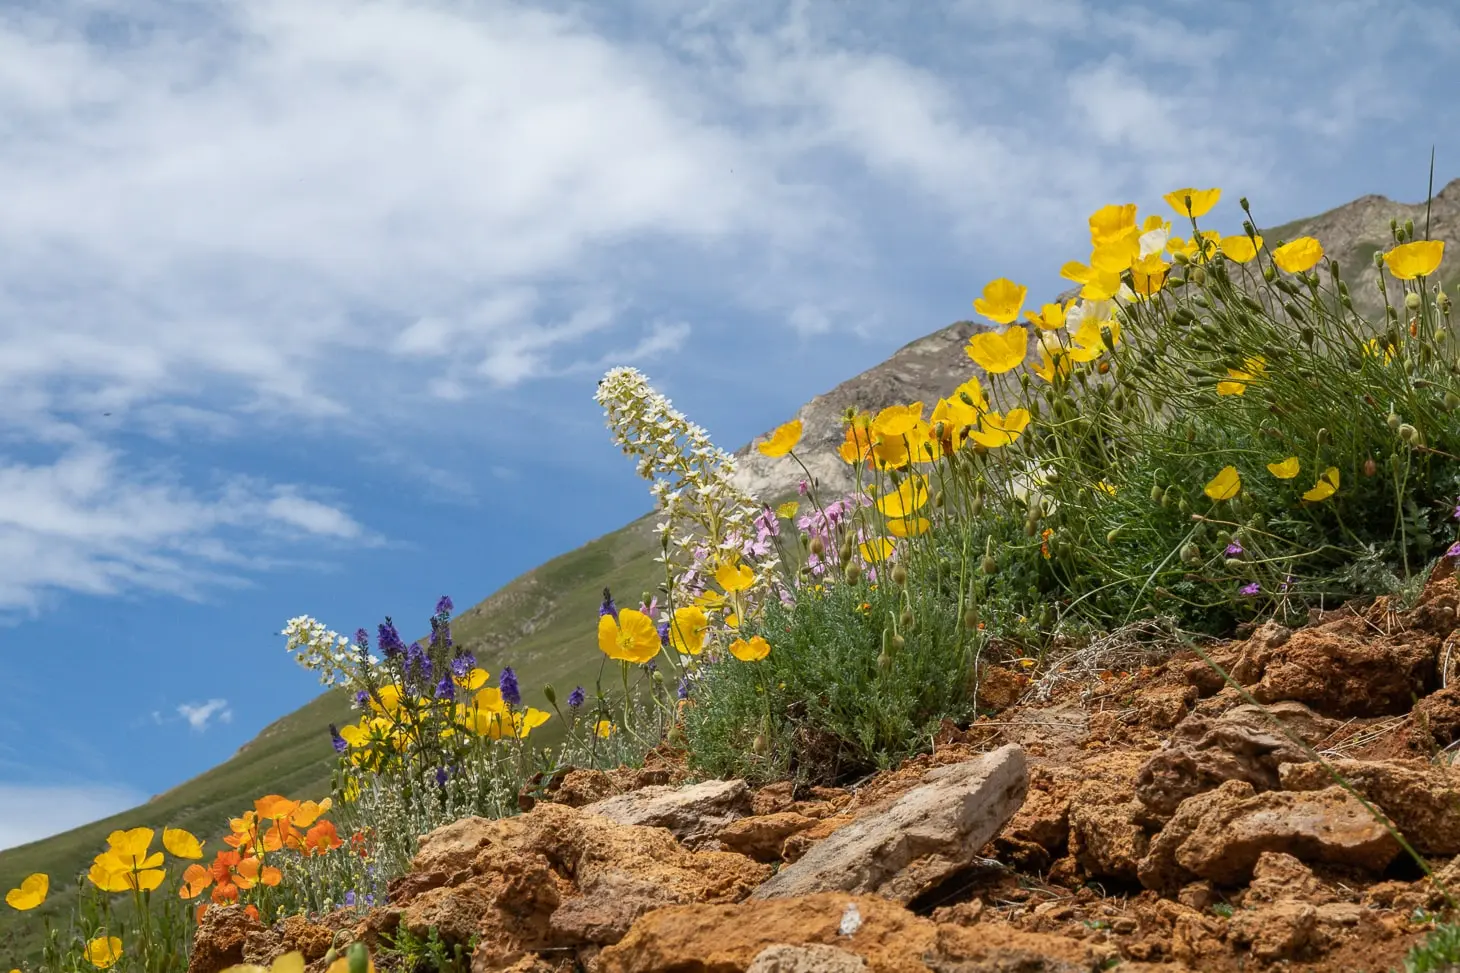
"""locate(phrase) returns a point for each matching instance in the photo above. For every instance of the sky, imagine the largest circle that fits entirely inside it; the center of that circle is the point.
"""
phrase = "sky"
(302, 305)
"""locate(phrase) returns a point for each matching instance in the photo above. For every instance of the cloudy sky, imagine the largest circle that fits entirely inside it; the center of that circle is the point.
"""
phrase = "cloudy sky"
(302, 304)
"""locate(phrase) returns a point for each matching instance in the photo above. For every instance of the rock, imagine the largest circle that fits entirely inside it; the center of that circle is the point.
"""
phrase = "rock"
(219, 940)
(1281, 931)
(1241, 744)
(1277, 876)
(1436, 720)
(1421, 799)
(1345, 675)
(922, 837)
(999, 688)
(693, 814)
(806, 959)
(1039, 831)
(729, 938)
(1163, 707)
(1106, 837)
(553, 878)
(580, 787)
(1221, 834)
(773, 798)
(762, 836)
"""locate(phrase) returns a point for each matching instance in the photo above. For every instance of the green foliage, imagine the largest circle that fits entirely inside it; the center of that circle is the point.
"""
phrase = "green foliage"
(1439, 953)
(407, 953)
(838, 696)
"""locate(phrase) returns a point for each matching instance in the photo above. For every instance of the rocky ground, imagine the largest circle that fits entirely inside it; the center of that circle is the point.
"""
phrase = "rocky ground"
(1127, 811)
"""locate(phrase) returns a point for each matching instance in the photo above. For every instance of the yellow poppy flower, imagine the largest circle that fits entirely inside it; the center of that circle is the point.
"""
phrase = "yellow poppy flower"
(1240, 249)
(1225, 485)
(633, 638)
(910, 496)
(182, 844)
(752, 651)
(1090, 337)
(1285, 469)
(876, 550)
(475, 679)
(897, 420)
(1373, 349)
(1051, 317)
(603, 728)
(788, 509)
(783, 440)
(1194, 203)
(970, 393)
(997, 353)
(310, 811)
(1001, 300)
(1419, 258)
(1110, 223)
(288, 963)
(1252, 370)
(955, 419)
(1105, 488)
(687, 630)
(103, 951)
(909, 526)
(30, 893)
(386, 699)
(1326, 486)
(995, 430)
(734, 577)
(1298, 255)
(1048, 367)
(1148, 275)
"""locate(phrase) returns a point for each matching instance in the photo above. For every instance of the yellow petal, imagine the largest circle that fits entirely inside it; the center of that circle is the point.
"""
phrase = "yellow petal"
(783, 440)
(876, 550)
(753, 650)
(1224, 485)
(1240, 249)
(103, 951)
(1195, 203)
(1419, 258)
(1110, 223)
(475, 679)
(788, 509)
(909, 526)
(1326, 486)
(732, 577)
(1001, 300)
(181, 844)
(1298, 255)
(897, 420)
(907, 498)
(1284, 469)
(996, 353)
(31, 892)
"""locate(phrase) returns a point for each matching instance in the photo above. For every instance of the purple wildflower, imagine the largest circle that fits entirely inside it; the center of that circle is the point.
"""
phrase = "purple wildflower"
(388, 640)
(370, 899)
(446, 689)
(1234, 549)
(803, 488)
(441, 776)
(1454, 550)
(507, 683)
(350, 898)
(444, 605)
(1250, 589)
(362, 641)
(1287, 583)
(361, 698)
(418, 664)
(608, 607)
(575, 698)
(683, 690)
(663, 633)
(462, 664)
(337, 741)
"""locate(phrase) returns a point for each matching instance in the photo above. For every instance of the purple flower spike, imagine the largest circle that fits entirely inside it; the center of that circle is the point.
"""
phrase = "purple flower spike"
(1454, 550)
(575, 698)
(508, 684)
(337, 741)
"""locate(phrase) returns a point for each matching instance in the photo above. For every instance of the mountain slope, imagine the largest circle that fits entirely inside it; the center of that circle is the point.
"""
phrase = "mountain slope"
(543, 622)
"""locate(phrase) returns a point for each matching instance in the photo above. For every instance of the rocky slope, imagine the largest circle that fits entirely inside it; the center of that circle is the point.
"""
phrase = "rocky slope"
(1129, 810)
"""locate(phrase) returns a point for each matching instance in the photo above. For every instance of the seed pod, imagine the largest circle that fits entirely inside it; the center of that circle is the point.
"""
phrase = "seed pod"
(1233, 563)
(1306, 333)
(897, 643)
(988, 565)
(1269, 274)
(1294, 311)
(1184, 507)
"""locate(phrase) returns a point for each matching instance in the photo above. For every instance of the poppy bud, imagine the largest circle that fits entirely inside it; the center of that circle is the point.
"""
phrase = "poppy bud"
(550, 694)
(1408, 433)
(1412, 301)
(1030, 528)
(988, 565)
(1442, 301)
(1184, 507)
(1190, 553)
(1306, 333)
(1157, 493)
(1180, 258)
(818, 546)
(658, 677)
(975, 506)
(970, 619)
(899, 574)
(359, 957)
(1103, 368)
(844, 553)
(1198, 275)
(884, 661)
(1393, 422)
(1370, 467)
(897, 642)
(1269, 274)
(1233, 563)
(1452, 401)
(330, 955)
(1112, 536)
(757, 745)
(853, 573)
(1409, 229)
(939, 499)
(1393, 227)
(906, 619)
(1440, 335)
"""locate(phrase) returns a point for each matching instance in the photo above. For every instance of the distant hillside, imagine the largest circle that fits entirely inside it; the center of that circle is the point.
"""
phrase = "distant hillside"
(543, 622)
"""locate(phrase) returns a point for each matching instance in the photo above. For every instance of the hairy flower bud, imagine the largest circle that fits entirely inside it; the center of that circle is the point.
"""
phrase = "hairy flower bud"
(1408, 433)
(1394, 422)
(899, 574)
(1412, 301)
(1370, 467)
(988, 565)
(818, 546)
(1190, 553)
(852, 572)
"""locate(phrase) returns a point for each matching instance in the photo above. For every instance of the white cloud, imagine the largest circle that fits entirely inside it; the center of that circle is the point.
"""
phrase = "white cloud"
(87, 523)
(30, 812)
(199, 715)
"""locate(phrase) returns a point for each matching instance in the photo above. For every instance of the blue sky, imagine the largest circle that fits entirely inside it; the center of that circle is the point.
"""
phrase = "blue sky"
(302, 304)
